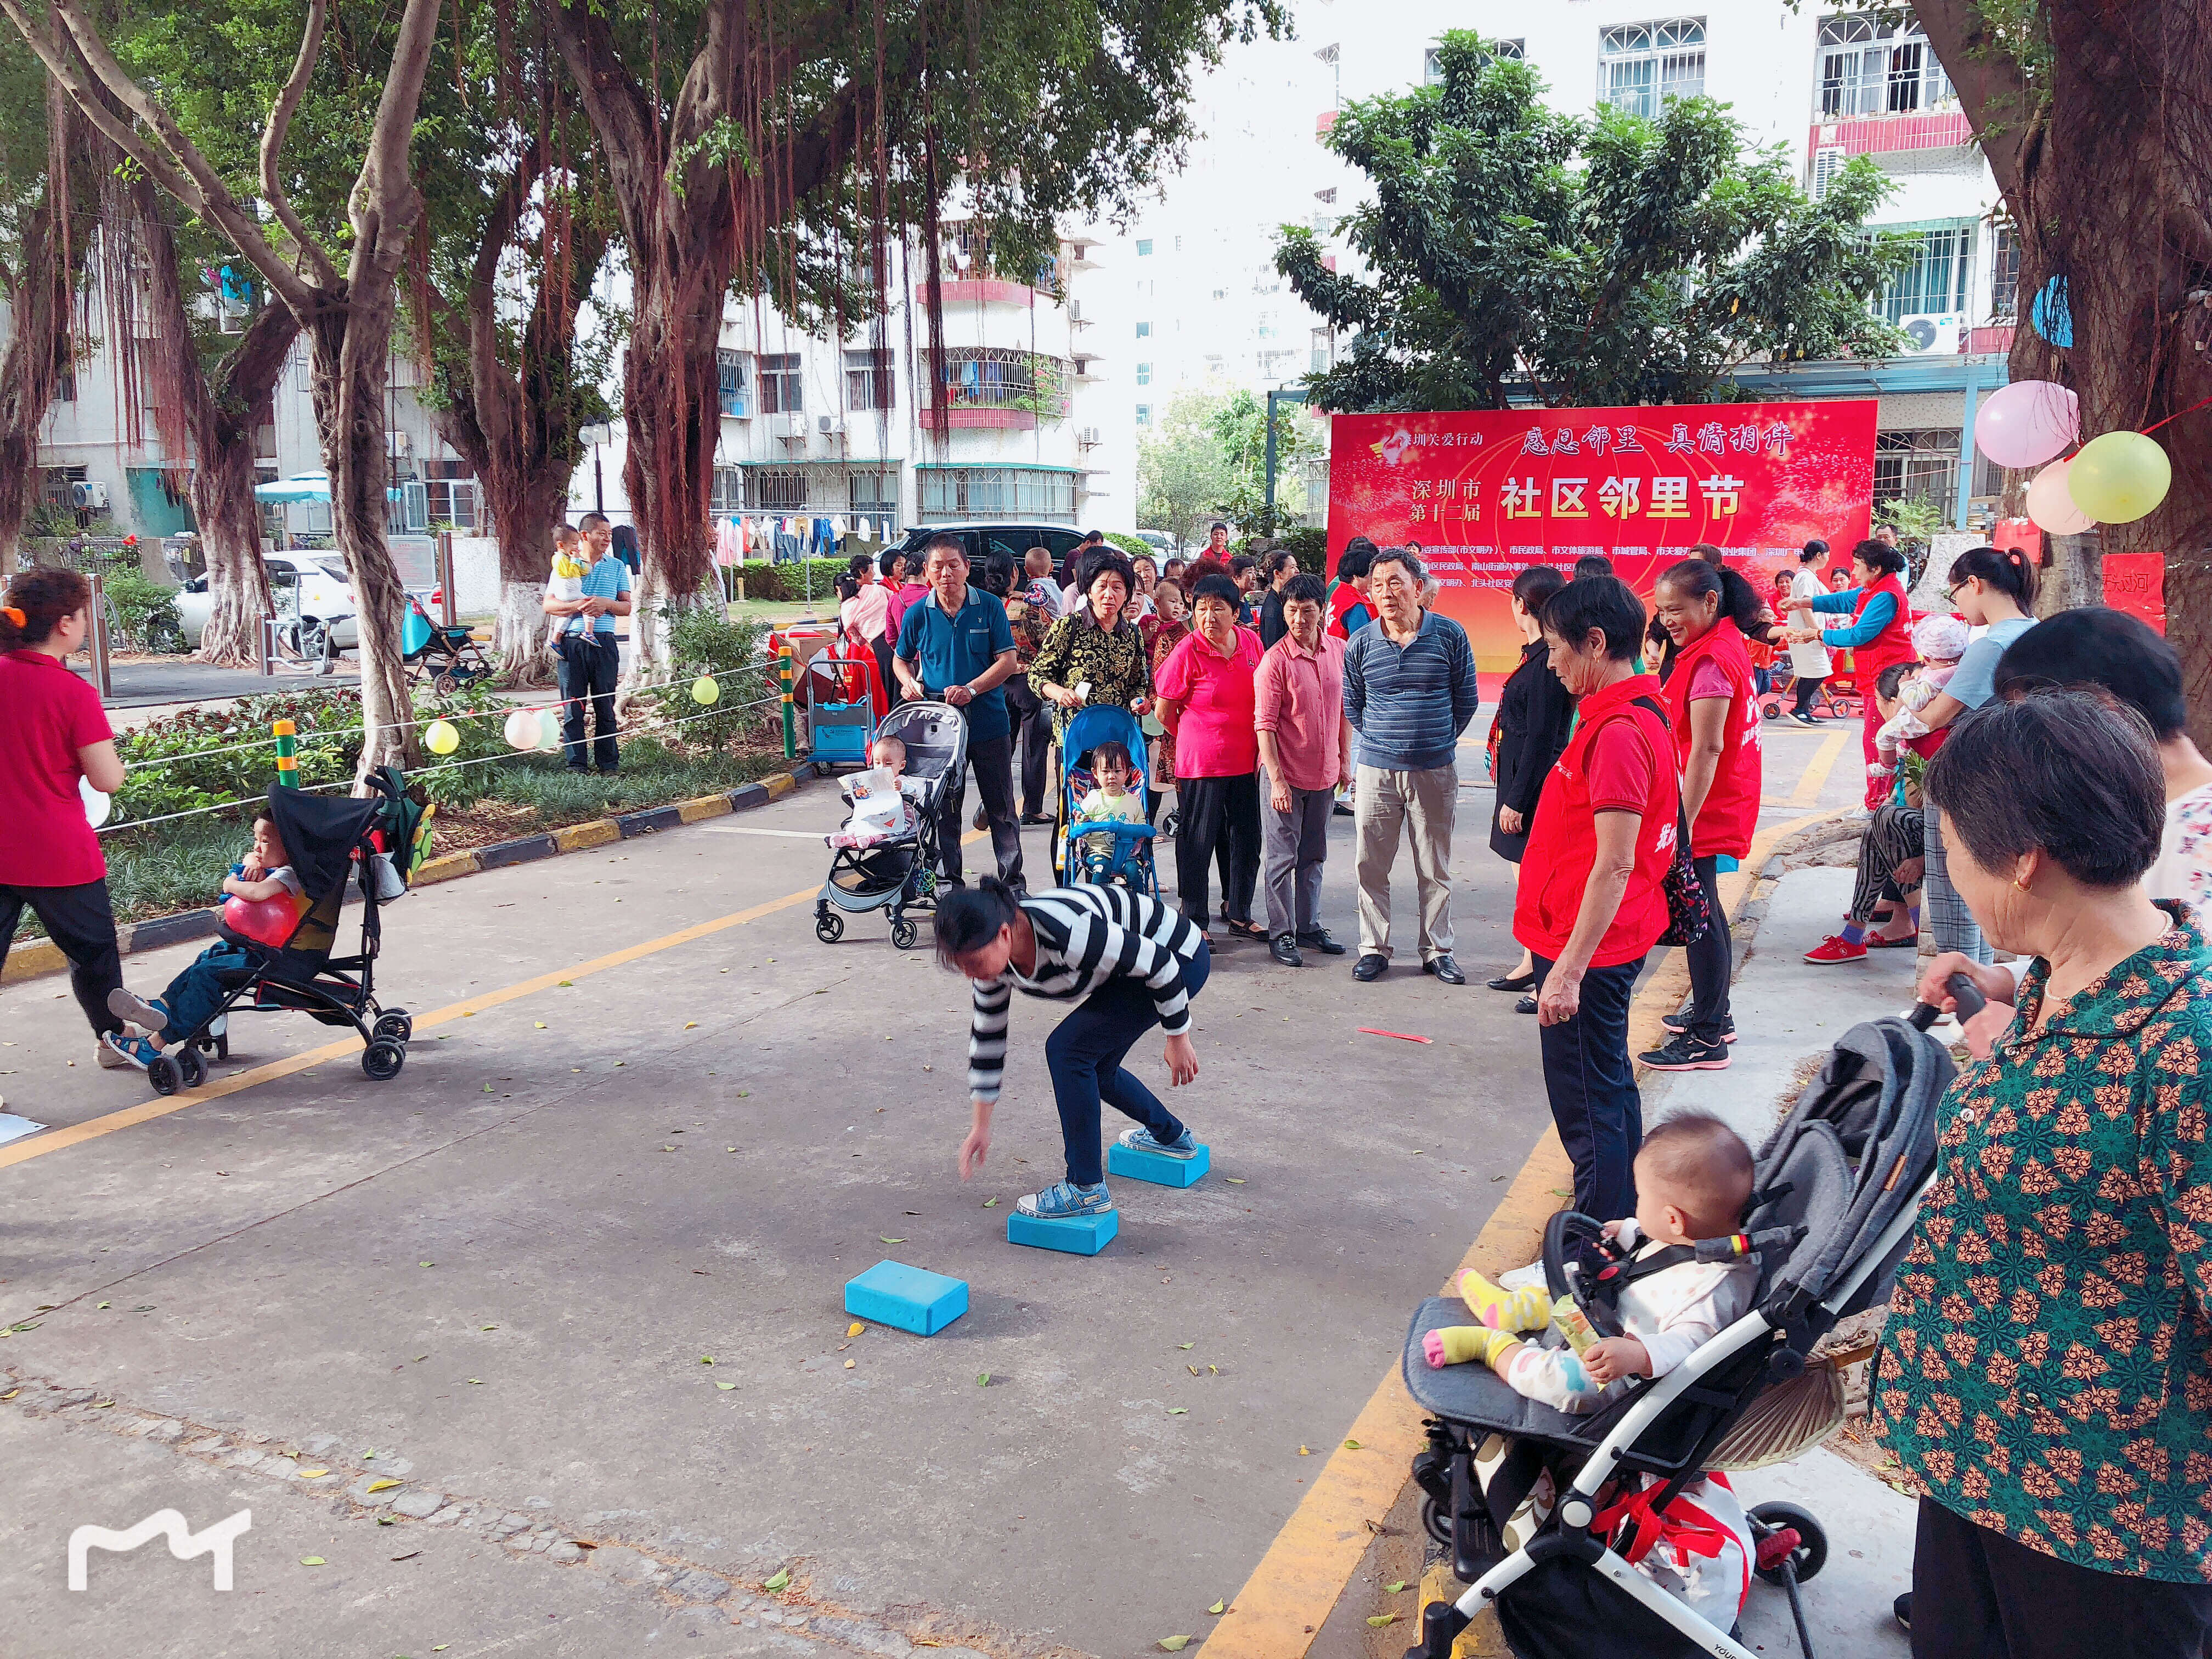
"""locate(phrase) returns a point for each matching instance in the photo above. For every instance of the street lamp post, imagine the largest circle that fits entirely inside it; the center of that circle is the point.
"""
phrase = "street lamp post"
(596, 436)
(1290, 395)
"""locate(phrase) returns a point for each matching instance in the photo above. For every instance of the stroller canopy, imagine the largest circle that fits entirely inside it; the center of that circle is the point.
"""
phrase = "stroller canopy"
(1100, 723)
(320, 832)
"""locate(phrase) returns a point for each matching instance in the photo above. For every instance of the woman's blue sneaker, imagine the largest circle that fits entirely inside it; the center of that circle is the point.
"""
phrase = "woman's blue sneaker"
(1064, 1200)
(136, 1050)
(1141, 1139)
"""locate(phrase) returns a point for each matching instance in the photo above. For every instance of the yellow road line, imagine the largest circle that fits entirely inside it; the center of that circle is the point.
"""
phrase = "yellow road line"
(1289, 1595)
(1807, 792)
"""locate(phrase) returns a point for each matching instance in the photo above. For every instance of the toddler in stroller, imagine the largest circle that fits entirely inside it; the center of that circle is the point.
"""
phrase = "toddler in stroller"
(1104, 834)
(1620, 1520)
(1683, 1279)
(885, 856)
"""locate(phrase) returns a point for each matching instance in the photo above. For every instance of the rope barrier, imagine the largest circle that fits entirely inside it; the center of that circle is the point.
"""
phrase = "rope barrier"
(420, 771)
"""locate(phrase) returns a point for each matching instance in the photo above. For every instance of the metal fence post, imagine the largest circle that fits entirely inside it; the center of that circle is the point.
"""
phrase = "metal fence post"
(445, 557)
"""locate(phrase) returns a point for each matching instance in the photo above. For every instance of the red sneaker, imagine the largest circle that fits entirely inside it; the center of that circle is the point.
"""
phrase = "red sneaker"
(1836, 948)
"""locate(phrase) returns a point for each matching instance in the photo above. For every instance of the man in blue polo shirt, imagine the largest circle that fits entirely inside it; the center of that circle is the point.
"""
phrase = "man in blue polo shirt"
(957, 647)
(588, 655)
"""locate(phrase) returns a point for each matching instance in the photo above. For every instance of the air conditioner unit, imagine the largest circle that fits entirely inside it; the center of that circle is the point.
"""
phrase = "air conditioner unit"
(1075, 311)
(788, 426)
(828, 425)
(1828, 161)
(401, 443)
(1088, 436)
(1932, 333)
(90, 495)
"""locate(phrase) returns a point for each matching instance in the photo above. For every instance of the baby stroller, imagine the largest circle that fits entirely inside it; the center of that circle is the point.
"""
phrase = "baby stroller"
(1130, 862)
(1837, 699)
(1837, 1189)
(329, 839)
(892, 874)
(448, 658)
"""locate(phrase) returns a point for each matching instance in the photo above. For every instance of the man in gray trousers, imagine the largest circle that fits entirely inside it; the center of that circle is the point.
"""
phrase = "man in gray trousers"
(1305, 752)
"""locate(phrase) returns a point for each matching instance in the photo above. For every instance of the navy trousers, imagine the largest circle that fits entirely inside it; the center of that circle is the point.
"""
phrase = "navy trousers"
(1591, 1081)
(1085, 1055)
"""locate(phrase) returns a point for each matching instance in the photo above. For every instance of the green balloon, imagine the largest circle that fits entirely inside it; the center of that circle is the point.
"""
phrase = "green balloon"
(2118, 477)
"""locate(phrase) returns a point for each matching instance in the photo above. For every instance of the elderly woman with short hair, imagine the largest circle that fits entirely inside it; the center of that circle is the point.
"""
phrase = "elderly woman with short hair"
(2047, 1371)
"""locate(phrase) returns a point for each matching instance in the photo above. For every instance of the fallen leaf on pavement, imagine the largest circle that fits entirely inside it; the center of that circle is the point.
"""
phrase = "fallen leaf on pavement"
(1193, 1369)
(1234, 1181)
(1305, 1451)
(705, 1359)
(382, 1486)
(1393, 1589)
(782, 1578)
(855, 1328)
(1380, 1619)
(1178, 1411)
(983, 1379)
(725, 1385)
(1218, 1606)
(491, 1327)
(1181, 1345)
(478, 1381)
(312, 1561)
(410, 1556)
(1352, 1445)
(99, 1305)
(990, 1203)
(691, 1025)
(850, 1363)
(1174, 1643)
(312, 1474)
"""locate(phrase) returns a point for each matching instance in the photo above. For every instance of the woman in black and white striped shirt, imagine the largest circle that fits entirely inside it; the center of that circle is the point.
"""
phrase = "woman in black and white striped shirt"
(1134, 962)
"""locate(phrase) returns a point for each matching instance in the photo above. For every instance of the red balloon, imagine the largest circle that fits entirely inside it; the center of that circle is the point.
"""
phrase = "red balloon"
(266, 921)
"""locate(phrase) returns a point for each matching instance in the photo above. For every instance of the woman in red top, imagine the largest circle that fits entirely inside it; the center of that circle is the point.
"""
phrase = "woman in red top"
(1208, 700)
(1589, 904)
(1879, 633)
(55, 734)
(1713, 706)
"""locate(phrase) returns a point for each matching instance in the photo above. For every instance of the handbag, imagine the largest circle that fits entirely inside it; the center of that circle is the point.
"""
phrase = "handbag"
(1689, 917)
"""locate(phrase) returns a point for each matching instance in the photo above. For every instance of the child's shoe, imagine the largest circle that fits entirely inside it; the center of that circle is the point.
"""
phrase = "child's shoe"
(1064, 1201)
(153, 1016)
(135, 1051)
(1139, 1139)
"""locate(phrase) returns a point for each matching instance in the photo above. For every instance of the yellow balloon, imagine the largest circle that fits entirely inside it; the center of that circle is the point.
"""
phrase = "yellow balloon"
(704, 689)
(2118, 477)
(442, 738)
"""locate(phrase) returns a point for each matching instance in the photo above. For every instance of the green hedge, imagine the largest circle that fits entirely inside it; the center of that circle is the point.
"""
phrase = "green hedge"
(764, 581)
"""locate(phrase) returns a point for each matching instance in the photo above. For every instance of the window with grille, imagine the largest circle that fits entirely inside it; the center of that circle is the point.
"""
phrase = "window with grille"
(1936, 280)
(730, 377)
(729, 491)
(1144, 248)
(771, 490)
(1641, 66)
(1873, 68)
(1432, 59)
(994, 377)
(451, 494)
(1144, 414)
(875, 493)
(996, 492)
(1913, 465)
(1144, 373)
(782, 385)
(868, 380)
(2004, 275)
(1144, 330)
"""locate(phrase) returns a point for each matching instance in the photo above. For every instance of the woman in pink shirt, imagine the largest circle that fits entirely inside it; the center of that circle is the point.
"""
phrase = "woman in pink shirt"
(55, 735)
(1206, 699)
(1305, 753)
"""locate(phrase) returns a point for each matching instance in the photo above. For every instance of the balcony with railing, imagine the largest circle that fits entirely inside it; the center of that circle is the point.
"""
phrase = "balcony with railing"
(1008, 389)
(1878, 90)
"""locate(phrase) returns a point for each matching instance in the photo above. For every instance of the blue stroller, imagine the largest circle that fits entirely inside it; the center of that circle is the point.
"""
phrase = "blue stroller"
(1130, 861)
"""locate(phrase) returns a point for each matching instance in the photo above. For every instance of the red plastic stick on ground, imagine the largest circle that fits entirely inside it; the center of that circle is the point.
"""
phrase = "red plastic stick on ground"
(1402, 1036)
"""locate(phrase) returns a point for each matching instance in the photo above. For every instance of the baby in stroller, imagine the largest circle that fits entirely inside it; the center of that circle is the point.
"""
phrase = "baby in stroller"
(879, 797)
(1684, 1279)
(885, 857)
(1110, 800)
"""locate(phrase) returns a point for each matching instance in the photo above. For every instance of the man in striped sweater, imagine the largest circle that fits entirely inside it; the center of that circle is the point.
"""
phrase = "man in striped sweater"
(1409, 691)
(1132, 961)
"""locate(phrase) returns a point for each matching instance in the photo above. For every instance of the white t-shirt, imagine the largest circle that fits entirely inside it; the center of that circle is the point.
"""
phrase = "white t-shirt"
(1808, 662)
(2184, 869)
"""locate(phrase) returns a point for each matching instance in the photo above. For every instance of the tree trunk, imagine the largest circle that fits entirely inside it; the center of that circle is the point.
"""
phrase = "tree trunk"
(39, 294)
(230, 532)
(672, 412)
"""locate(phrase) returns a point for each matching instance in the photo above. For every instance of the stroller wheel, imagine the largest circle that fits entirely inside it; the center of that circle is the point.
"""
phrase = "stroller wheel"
(1436, 1520)
(1171, 824)
(1812, 1552)
(444, 684)
(381, 1060)
(191, 1068)
(830, 928)
(394, 1025)
(903, 933)
(162, 1074)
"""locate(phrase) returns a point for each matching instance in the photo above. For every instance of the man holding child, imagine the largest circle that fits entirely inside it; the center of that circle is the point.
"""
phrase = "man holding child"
(589, 655)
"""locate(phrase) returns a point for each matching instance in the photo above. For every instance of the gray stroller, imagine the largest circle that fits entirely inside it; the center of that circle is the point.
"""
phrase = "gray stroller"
(892, 874)
(1837, 1192)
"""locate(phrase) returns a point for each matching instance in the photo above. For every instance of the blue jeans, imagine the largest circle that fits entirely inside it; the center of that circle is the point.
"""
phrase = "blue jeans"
(195, 994)
(1084, 1058)
(1592, 1083)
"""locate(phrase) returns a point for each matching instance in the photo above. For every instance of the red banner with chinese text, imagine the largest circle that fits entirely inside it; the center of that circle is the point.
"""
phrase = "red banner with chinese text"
(1487, 493)
(2135, 583)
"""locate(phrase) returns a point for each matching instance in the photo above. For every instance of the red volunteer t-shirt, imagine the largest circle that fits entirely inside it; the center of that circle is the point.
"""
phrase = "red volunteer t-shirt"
(1621, 762)
(45, 840)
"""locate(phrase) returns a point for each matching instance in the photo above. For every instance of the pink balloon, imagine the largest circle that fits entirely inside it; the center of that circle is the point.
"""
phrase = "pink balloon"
(2050, 504)
(2027, 422)
(266, 921)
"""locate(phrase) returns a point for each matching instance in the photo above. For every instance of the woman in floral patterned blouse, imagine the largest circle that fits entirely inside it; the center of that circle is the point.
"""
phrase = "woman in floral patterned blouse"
(2047, 1371)
(1095, 646)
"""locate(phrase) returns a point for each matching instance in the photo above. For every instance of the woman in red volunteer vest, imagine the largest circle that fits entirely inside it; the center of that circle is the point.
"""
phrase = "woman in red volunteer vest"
(1589, 903)
(1879, 633)
(1713, 707)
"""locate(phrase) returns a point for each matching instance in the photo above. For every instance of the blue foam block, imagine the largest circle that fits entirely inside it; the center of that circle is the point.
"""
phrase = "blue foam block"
(905, 1299)
(1723, 864)
(1157, 1167)
(1080, 1235)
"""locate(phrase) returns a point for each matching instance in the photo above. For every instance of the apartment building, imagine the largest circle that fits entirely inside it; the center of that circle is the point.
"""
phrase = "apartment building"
(1194, 277)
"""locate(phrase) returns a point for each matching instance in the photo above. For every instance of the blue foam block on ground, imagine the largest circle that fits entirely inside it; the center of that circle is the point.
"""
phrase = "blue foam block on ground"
(1157, 1167)
(905, 1299)
(1722, 865)
(1081, 1234)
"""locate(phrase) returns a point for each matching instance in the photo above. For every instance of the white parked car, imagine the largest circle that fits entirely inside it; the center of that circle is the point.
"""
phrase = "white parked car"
(309, 588)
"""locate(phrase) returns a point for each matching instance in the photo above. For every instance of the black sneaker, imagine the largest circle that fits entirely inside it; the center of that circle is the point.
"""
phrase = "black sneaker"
(1319, 939)
(1286, 950)
(1678, 1023)
(1902, 1609)
(1685, 1054)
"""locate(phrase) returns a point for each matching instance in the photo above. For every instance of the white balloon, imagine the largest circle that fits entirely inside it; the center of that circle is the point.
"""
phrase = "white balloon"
(97, 806)
(2050, 503)
(521, 730)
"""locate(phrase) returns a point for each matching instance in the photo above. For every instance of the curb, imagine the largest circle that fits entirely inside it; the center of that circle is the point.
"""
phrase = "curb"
(1311, 1562)
(38, 958)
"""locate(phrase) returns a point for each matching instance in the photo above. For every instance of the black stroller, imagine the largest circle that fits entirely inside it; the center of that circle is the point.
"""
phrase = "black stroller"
(1837, 1191)
(900, 871)
(445, 659)
(329, 838)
